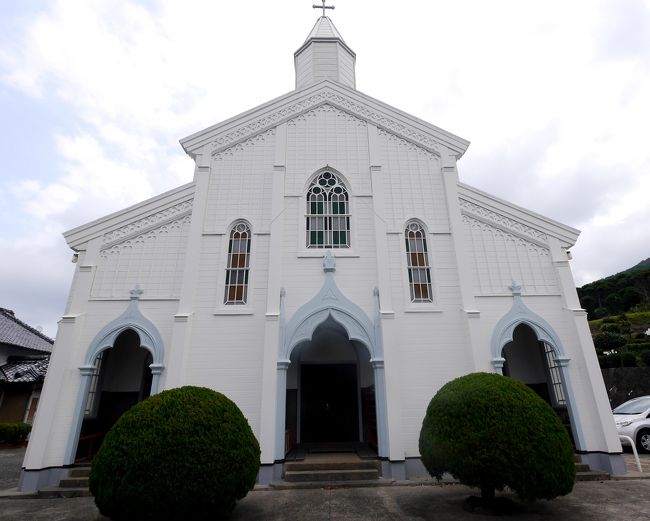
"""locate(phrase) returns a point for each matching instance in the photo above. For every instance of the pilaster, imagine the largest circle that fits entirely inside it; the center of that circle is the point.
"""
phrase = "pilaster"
(381, 241)
(480, 349)
(271, 398)
(583, 353)
(179, 347)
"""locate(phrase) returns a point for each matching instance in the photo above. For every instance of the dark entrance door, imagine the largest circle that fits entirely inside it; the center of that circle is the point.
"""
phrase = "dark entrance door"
(329, 403)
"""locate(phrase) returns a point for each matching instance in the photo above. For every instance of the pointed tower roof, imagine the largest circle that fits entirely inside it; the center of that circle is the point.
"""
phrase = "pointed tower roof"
(324, 28)
(324, 56)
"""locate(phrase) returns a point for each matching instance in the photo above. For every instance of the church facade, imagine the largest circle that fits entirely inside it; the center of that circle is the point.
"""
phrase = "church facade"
(326, 270)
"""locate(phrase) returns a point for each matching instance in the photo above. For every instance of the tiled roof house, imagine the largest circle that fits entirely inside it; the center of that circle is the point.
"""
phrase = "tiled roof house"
(24, 358)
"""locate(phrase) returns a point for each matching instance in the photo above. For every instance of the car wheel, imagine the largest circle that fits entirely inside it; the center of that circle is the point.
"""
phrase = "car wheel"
(643, 441)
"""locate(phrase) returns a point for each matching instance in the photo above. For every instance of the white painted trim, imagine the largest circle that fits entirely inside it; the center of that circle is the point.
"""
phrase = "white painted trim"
(234, 310)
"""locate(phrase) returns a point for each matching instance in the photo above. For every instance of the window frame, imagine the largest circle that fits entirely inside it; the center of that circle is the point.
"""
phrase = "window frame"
(244, 298)
(320, 183)
(417, 303)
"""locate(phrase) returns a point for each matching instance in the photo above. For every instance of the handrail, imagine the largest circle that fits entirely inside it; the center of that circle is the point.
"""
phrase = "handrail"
(636, 454)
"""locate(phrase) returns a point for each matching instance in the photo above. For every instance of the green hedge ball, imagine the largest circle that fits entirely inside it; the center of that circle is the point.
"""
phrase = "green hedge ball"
(184, 452)
(491, 431)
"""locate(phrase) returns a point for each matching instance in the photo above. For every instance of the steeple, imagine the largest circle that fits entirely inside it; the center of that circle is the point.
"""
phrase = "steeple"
(324, 56)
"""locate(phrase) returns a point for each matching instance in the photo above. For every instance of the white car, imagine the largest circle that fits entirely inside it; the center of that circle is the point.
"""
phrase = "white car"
(633, 419)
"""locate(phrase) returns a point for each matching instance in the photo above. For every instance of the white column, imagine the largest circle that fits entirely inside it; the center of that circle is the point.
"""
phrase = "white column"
(601, 435)
(479, 345)
(179, 347)
(271, 399)
(78, 414)
(381, 410)
(281, 407)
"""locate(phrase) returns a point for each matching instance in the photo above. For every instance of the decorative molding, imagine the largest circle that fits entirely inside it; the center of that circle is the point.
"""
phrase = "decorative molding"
(483, 214)
(131, 318)
(324, 109)
(329, 262)
(408, 144)
(339, 101)
(520, 314)
(230, 151)
(533, 247)
(153, 233)
(329, 303)
(134, 228)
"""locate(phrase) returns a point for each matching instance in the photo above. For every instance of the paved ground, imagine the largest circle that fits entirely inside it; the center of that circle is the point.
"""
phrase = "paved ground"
(597, 501)
(10, 462)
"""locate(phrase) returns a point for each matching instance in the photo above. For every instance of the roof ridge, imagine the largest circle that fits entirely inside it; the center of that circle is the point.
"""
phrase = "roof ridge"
(11, 316)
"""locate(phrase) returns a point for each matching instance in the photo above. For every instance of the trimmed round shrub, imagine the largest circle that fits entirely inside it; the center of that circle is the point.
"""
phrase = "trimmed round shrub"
(184, 453)
(490, 431)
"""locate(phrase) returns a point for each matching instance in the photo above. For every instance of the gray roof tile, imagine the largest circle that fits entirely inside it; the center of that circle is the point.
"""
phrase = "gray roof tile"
(16, 333)
(24, 371)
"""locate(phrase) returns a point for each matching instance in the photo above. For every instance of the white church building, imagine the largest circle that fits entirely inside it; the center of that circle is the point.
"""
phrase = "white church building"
(327, 270)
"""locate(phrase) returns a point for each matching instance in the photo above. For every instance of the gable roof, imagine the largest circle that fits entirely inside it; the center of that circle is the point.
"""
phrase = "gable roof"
(520, 221)
(275, 112)
(16, 333)
(137, 218)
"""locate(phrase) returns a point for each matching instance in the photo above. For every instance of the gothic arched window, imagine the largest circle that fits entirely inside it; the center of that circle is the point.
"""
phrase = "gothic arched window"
(417, 258)
(328, 213)
(238, 265)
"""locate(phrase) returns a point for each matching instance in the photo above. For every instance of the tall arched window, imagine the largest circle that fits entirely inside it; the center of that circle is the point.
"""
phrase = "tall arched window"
(239, 249)
(417, 258)
(328, 213)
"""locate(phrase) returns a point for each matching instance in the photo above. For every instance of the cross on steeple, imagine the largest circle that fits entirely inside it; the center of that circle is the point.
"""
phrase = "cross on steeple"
(323, 7)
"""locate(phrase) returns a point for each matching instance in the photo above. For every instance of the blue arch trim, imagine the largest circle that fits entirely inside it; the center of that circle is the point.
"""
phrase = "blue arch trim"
(521, 314)
(150, 339)
(329, 302)
(132, 318)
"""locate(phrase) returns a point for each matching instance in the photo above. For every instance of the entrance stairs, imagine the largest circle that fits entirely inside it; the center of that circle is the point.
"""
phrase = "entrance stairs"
(75, 485)
(584, 472)
(331, 470)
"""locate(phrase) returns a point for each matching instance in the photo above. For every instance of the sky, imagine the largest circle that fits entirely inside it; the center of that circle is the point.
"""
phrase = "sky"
(553, 95)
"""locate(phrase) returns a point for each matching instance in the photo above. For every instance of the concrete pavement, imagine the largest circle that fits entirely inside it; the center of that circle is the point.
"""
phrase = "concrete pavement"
(597, 501)
(624, 500)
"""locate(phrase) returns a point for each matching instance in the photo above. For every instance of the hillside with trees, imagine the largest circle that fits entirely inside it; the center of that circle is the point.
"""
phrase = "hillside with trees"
(619, 316)
(626, 291)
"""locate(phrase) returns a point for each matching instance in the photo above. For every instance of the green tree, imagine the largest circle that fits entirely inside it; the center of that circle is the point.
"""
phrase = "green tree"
(608, 341)
(491, 431)
(184, 453)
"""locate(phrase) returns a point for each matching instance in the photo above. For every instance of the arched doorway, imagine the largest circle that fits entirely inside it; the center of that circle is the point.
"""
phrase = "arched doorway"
(525, 347)
(533, 362)
(131, 332)
(121, 377)
(330, 397)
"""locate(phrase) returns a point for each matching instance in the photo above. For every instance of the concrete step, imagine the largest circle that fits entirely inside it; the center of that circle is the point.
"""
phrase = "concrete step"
(331, 465)
(592, 475)
(79, 472)
(64, 492)
(331, 475)
(367, 483)
(582, 467)
(74, 482)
